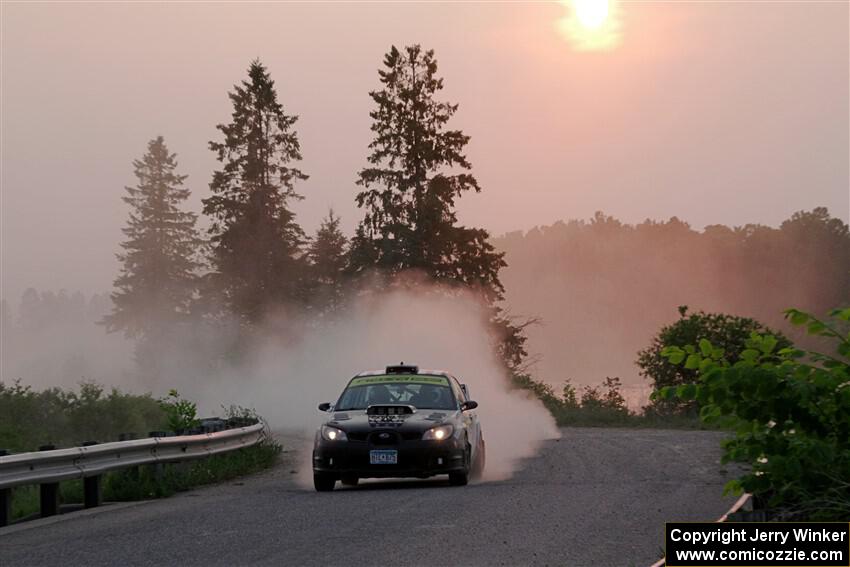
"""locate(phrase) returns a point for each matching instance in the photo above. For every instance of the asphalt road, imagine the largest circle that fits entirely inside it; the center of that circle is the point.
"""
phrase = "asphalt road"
(594, 497)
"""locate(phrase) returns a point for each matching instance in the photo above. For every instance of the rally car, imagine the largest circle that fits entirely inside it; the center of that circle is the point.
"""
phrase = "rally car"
(399, 422)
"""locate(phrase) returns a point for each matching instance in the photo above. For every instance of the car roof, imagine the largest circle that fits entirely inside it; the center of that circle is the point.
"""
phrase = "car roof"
(421, 372)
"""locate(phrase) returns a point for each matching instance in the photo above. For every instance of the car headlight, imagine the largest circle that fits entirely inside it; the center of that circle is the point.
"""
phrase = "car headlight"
(333, 434)
(438, 433)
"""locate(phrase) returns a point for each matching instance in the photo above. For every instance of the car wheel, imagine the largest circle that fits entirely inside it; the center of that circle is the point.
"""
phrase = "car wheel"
(480, 460)
(349, 480)
(461, 477)
(323, 482)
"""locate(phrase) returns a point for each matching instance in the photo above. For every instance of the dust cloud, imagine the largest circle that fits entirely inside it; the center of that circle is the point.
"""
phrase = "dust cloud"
(433, 330)
(295, 362)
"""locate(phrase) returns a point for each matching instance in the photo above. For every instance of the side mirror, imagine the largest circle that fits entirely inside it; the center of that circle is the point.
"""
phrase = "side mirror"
(325, 406)
(470, 405)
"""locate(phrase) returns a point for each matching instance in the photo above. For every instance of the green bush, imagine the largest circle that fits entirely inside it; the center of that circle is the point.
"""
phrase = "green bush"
(790, 410)
(29, 419)
(726, 332)
(180, 414)
(598, 406)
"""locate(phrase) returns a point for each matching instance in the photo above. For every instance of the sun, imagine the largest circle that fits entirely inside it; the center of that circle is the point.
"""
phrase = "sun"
(591, 13)
(591, 25)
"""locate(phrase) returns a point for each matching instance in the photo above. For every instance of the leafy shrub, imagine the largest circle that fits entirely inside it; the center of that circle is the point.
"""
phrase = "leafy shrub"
(726, 332)
(597, 406)
(790, 410)
(239, 416)
(609, 398)
(544, 392)
(29, 419)
(181, 415)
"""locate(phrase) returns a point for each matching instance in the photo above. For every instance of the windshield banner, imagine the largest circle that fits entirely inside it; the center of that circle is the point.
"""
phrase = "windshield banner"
(400, 379)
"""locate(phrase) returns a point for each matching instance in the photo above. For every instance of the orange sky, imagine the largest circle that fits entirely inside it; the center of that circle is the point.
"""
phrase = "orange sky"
(714, 112)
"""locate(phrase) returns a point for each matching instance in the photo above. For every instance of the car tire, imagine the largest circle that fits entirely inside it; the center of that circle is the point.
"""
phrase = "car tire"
(480, 460)
(323, 482)
(461, 477)
(349, 480)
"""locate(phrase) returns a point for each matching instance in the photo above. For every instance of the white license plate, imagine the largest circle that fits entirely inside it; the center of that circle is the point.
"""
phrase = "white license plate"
(383, 457)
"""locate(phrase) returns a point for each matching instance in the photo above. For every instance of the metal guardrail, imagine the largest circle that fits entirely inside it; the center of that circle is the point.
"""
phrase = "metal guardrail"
(735, 509)
(48, 468)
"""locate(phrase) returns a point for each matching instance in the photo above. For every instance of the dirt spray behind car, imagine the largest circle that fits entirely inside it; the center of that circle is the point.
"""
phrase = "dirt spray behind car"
(284, 381)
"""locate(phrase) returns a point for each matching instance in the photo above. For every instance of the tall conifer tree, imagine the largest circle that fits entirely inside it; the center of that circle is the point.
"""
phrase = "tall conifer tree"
(257, 244)
(328, 260)
(410, 185)
(417, 169)
(158, 277)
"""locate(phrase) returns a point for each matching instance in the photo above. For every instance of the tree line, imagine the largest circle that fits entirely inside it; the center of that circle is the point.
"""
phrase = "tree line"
(255, 257)
(605, 287)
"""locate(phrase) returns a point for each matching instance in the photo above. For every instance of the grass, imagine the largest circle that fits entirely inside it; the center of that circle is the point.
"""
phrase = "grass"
(598, 417)
(601, 406)
(152, 481)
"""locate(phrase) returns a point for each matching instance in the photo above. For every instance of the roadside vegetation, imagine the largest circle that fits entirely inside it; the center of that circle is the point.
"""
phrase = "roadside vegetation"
(789, 408)
(30, 420)
(148, 482)
(600, 406)
(605, 406)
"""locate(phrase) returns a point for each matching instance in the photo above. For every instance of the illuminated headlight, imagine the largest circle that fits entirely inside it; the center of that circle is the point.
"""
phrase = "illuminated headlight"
(438, 433)
(333, 434)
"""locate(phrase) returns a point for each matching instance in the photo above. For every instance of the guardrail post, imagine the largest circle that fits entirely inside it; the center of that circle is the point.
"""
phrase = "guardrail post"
(5, 506)
(92, 491)
(157, 469)
(49, 492)
(92, 487)
(5, 500)
(49, 499)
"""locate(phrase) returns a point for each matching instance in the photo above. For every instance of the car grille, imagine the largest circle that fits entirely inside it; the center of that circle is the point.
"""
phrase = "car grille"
(375, 439)
(384, 437)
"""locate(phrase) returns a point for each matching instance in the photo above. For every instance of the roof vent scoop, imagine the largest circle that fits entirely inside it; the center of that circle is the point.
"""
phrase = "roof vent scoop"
(403, 369)
(390, 409)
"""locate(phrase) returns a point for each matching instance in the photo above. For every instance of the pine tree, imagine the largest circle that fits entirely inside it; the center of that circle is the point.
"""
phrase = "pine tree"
(328, 259)
(417, 170)
(257, 245)
(158, 278)
(409, 189)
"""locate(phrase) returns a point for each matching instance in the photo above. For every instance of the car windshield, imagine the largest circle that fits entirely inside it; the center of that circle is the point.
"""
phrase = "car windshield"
(426, 392)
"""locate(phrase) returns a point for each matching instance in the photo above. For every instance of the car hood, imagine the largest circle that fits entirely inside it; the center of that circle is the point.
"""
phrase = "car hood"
(420, 420)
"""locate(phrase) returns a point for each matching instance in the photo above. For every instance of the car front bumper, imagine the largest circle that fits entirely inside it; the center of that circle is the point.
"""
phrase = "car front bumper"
(415, 458)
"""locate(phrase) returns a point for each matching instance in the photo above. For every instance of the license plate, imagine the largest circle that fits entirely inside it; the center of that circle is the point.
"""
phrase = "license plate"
(383, 457)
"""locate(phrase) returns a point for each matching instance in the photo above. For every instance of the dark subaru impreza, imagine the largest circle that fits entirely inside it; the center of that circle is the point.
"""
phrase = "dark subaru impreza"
(400, 422)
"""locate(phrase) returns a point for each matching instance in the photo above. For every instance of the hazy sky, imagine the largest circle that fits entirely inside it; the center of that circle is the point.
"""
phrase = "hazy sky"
(714, 112)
